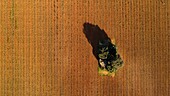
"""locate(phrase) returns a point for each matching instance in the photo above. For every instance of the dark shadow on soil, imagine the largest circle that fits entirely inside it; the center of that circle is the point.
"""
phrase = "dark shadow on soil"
(94, 34)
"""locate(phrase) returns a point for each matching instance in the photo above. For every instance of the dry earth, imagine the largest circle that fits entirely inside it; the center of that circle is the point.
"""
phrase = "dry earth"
(43, 51)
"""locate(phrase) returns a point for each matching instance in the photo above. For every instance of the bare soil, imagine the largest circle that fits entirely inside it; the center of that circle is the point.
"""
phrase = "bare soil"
(44, 52)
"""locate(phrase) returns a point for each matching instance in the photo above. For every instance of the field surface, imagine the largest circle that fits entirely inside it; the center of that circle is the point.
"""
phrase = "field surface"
(44, 52)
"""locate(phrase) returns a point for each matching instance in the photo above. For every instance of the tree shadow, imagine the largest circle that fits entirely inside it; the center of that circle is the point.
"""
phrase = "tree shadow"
(94, 34)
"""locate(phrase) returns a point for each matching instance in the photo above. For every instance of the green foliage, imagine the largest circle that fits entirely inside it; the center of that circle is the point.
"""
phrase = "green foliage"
(107, 53)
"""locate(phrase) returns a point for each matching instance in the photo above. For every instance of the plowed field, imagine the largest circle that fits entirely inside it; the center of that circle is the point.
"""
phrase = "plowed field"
(44, 52)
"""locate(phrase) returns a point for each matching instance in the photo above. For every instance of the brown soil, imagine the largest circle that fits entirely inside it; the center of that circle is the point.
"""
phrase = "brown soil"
(44, 52)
